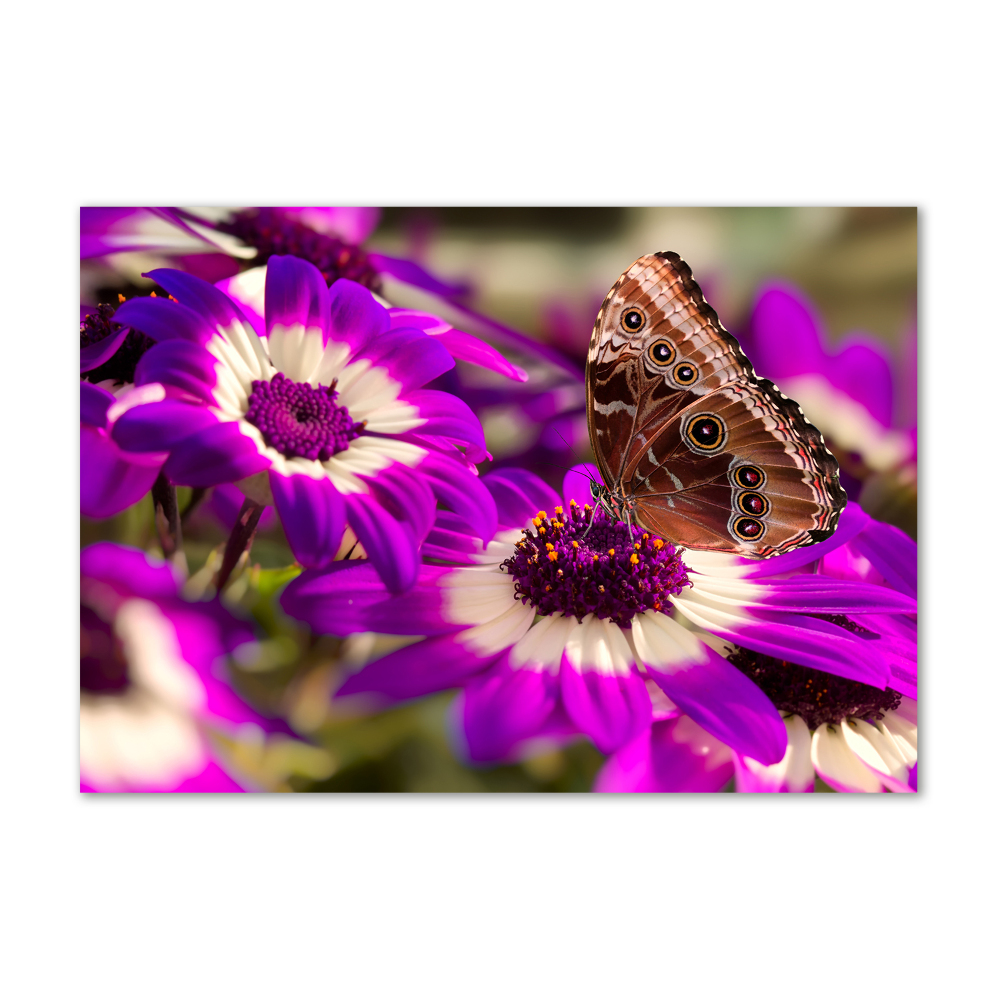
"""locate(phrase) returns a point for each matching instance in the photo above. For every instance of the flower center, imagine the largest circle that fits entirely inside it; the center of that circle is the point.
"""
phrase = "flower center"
(612, 571)
(272, 232)
(299, 420)
(103, 667)
(98, 326)
(816, 696)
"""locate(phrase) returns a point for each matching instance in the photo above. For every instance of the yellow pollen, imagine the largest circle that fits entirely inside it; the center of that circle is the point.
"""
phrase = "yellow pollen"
(152, 295)
(121, 298)
(549, 546)
(611, 552)
(587, 506)
(596, 558)
(542, 515)
(633, 559)
(636, 546)
(536, 521)
(657, 544)
(553, 556)
(573, 503)
(645, 536)
(541, 531)
(576, 545)
(559, 510)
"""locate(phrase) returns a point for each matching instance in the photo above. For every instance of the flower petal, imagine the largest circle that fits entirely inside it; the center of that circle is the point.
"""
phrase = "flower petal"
(217, 454)
(94, 404)
(179, 363)
(837, 764)
(312, 514)
(519, 495)
(110, 481)
(576, 483)
(160, 426)
(409, 357)
(464, 493)
(355, 316)
(390, 545)
(709, 688)
(793, 773)
(164, 320)
(892, 552)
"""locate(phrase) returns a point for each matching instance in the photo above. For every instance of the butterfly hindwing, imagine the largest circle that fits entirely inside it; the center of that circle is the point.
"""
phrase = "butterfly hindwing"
(713, 456)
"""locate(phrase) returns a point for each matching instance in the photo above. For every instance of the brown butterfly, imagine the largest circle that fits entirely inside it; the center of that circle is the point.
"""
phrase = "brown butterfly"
(691, 443)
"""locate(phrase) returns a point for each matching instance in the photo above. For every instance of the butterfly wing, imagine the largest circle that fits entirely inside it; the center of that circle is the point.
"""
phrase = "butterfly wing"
(714, 457)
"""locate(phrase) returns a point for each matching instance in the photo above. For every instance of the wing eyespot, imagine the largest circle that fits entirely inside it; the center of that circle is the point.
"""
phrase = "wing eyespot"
(661, 353)
(633, 320)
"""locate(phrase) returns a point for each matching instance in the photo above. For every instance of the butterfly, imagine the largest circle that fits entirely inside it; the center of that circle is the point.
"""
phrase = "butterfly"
(691, 444)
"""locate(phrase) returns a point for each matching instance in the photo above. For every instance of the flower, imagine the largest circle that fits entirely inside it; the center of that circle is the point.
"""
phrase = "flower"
(571, 620)
(856, 736)
(150, 693)
(324, 417)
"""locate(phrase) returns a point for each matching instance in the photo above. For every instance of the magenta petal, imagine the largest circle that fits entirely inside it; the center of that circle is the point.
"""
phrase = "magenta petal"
(179, 363)
(861, 370)
(406, 496)
(160, 426)
(434, 664)
(504, 707)
(892, 552)
(410, 357)
(349, 596)
(312, 514)
(355, 316)
(94, 404)
(414, 274)
(672, 756)
(110, 481)
(465, 493)
(727, 704)
(295, 293)
(519, 495)
(610, 709)
(218, 454)
(577, 482)
(390, 545)
(164, 320)
(786, 334)
(132, 571)
(96, 354)
(201, 296)
(815, 594)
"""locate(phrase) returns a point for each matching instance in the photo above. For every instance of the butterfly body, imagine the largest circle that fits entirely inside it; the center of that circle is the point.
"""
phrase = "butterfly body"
(691, 444)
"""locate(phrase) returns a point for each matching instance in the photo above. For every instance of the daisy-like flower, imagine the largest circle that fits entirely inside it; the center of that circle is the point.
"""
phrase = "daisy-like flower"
(150, 678)
(325, 416)
(568, 618)
(857, 737)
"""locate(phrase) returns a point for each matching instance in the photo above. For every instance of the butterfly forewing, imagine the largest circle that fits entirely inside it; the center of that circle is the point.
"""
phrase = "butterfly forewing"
(713, 456)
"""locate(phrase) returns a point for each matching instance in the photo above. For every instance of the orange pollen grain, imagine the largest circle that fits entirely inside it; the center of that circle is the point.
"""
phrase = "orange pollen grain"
(657, 544)
(611, 552)
(549, 546)
(121, 298)
(559, 510)
(633, 559)
(553, 556)
(576, 545)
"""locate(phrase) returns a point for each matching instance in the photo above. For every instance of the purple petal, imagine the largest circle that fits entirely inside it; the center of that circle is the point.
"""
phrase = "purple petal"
(179, 363)
(815, 594)
(852, 521)
(410, 357)
(390, 545)
(465, 493)
(96, 354)
(295, 293)
(160, 426)
(861, 370)
(352, 224)
(503, 707)
(892, 552)
(406, 496)
(94, 403)
(217, 308)
(349, 596)
(576, 483)
(163, 320)
(227, 500)
(786, 334)
(519, 495)
(610, 709)
(413, 274)
(434, 664)
(312, 514)
(672, 756)
(132, 571)
(355, 316)
(722, 701)
(449, 417)
(110, 481)
(217, 454)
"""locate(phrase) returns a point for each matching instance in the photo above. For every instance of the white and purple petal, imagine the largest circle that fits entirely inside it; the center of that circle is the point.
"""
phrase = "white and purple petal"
(312, 514)
(793, 773)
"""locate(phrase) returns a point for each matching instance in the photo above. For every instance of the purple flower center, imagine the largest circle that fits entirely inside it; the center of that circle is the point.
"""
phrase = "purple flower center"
(272, 232)
(612, 571)
(299, 420)
(98, 326)
(103, 668)
(818, 697)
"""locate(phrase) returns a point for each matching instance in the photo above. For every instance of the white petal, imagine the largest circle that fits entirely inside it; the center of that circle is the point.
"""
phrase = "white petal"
(474, 596)
(153, 653)
(727, 591)
(295, 351)
(364, 390)
(876, 749)
(903, 733)
(368, 456)
(795, 770)
(665, 645)
(152, 392)
(394, 418)
(714, 564)
(335, 356)
(245, 345)
(541, 648)
(500, 633)
(247, 288)
(599, 645)
(836, 764)
(230, 392)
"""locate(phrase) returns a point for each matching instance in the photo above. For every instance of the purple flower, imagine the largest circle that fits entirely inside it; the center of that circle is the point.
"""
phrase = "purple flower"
(325, 416)
(567, 622)
(151, 691)
(854, 394)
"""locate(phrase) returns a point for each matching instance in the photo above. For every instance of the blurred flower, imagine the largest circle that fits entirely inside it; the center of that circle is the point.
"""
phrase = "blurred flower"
(573, 622)
(151, 690)
(855, 394)
(324, 417)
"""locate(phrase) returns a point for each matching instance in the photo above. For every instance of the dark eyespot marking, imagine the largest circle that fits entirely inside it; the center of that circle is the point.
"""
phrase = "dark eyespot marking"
(705, 432)
(753, 503)
(685, 374)
(661, 353)
(748, 529)
(632, 320)
(749, 477)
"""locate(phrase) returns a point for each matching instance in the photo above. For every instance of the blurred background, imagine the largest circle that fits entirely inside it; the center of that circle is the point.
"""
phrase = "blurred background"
(543, 273)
